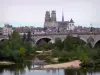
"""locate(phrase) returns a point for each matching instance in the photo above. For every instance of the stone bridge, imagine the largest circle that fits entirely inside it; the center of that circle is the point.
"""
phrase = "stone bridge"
(91, 38)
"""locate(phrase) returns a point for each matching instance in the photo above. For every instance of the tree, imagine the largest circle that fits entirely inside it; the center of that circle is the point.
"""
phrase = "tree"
(68, 43)
(29, 36)
(58, 43)
(46, 46)
(22, 52)
(51, 45)
(15, 35)
(71, 43)
(24, 37)
(15, 48)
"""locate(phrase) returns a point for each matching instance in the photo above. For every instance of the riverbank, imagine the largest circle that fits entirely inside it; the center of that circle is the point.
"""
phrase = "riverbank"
(6, 63)
(72, 64)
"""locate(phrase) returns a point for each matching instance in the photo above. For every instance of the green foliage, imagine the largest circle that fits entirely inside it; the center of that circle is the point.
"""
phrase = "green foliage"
(48, 59)
(15, 35)
(71, 43)
(29, 36)
(22, 52)
(15, 49)
(55, 52)
(58, 43)
(68, 43)
(73, 48)
(51, 45)
(46, 46)
(24, 37)
(84, 58)
(29, 49)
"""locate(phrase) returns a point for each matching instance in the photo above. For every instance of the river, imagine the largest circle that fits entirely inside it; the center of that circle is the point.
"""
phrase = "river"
(26, 69)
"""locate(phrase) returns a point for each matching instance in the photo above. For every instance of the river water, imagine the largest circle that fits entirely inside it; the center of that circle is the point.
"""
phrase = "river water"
(26, 69)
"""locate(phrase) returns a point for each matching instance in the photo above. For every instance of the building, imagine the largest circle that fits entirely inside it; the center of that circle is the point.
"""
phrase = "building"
(51, 22)
(33, 30)
(7, 30)
(23, 29)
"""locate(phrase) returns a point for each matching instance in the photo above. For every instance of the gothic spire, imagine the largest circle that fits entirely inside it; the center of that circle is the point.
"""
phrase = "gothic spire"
(62, 16)
(71, 21)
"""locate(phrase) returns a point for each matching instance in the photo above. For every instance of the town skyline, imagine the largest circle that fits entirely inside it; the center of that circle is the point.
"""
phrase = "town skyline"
(32, 13)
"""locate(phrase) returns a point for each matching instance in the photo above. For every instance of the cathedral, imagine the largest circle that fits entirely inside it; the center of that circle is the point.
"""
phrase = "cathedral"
(51, 22)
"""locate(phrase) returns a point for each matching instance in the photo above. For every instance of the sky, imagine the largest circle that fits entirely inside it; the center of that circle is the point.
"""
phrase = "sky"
(32, 12)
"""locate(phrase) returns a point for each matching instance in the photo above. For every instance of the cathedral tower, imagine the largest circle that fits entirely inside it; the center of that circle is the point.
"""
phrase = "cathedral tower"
(71, 24)
(47, 16)
(53, 16)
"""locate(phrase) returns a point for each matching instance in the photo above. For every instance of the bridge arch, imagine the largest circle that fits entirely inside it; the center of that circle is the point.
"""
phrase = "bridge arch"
(44, 40)
(84, 40)
(97, 44)
(81, 38)
(2, 39)
(96, 41)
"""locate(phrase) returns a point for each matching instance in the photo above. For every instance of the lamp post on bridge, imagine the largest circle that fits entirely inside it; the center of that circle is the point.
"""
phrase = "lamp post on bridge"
(58, 30)
(91, 28)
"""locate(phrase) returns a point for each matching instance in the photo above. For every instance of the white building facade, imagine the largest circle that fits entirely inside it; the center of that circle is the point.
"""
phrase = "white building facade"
(7, 30)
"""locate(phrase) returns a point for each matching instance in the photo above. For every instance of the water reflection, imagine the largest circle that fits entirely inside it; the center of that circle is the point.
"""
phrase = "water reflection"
(16, 69)
(76, 72)
(88, 71)
(25, 69)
